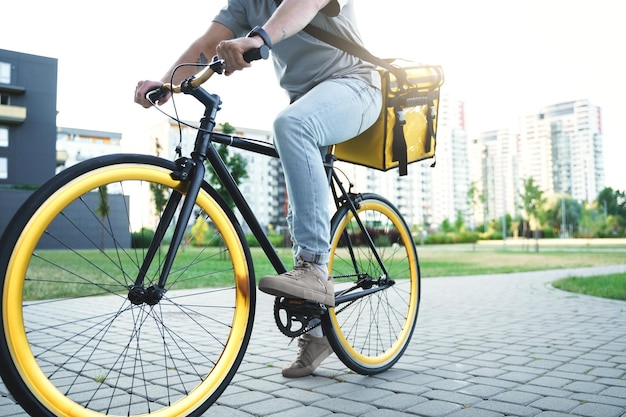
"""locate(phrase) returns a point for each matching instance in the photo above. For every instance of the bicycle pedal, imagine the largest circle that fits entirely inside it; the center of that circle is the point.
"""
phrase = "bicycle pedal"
(304, 305)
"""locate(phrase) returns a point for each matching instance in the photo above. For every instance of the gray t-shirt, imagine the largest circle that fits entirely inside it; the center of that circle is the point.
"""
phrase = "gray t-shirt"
(302, 61)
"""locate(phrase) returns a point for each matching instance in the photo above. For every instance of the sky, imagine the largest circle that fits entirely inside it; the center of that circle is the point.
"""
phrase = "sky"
(503, 58)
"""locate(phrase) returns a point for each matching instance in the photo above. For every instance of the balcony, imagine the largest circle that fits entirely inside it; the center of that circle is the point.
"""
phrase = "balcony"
(12, 114)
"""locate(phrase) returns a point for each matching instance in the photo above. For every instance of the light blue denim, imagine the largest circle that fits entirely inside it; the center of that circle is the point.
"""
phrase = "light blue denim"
(332, 112)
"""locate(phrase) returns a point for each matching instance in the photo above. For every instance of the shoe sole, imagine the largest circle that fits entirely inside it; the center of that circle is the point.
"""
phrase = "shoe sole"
(288, 290)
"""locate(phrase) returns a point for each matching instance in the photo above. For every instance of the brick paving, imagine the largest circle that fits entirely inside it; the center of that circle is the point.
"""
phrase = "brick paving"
(485, 346)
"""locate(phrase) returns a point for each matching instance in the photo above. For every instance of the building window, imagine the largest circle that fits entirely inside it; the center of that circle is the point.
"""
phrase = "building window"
(5, 73)
(4, 136)
(4, 171)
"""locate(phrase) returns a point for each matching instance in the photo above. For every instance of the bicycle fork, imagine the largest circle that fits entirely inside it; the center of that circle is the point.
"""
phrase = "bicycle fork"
(193, 172)
(190, 172)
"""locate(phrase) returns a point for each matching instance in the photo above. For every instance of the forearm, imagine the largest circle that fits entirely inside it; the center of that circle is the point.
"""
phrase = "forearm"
(200, 52)
(291, 17)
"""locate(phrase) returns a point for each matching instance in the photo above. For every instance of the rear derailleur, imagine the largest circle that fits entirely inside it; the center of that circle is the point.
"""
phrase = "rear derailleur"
(295, 317)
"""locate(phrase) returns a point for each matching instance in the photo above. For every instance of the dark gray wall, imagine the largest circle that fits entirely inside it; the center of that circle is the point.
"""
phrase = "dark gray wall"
(32, 144)
(79, 228)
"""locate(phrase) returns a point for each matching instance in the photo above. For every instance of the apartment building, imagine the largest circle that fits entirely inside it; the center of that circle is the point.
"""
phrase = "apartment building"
(561, 148)
(450, 178)
(28, 94)
(495, 174)
(76, 145)
(28, 142)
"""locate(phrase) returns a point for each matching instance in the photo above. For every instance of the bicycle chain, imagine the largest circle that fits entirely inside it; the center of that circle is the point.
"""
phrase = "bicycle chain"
(300, 316)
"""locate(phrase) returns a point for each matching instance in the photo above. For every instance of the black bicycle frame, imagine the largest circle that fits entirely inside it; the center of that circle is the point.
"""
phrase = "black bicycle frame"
(192, 170)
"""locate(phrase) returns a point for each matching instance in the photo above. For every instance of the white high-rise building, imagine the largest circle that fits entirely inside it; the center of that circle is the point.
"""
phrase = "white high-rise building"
(561, 148)
(450, 177)
(494, 174)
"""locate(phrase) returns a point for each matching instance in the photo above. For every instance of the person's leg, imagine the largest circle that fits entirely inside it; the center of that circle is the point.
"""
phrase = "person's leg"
(334, 111)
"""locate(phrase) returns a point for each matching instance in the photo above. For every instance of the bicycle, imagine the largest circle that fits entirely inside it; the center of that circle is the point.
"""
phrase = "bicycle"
(93, 325)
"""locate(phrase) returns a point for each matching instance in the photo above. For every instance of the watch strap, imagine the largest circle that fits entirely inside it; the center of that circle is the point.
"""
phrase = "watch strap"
(259, 31)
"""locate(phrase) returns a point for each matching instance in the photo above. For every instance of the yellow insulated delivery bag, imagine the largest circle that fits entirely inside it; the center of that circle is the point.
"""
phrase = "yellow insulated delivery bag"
(406, 129)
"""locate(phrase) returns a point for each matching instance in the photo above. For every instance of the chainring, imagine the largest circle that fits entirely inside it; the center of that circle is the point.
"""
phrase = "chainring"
(294, 317)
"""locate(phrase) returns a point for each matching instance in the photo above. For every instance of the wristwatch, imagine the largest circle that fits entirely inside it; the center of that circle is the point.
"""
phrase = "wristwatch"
(259, 31)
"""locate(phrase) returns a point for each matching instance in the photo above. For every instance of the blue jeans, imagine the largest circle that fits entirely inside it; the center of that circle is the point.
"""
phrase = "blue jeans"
(332, 112)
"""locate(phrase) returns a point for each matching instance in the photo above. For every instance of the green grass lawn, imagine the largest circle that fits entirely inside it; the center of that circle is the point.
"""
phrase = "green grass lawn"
(437, 263)
(606, 286)
(214, 271)
(445, 262)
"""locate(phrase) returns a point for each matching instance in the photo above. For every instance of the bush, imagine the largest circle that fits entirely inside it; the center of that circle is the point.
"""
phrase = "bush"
(278, 240)
(382, 241)
(142, 238)
(492, 235)
(451, 237)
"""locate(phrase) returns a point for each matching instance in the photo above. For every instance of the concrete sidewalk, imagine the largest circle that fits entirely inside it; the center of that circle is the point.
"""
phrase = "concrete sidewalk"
(491, 345)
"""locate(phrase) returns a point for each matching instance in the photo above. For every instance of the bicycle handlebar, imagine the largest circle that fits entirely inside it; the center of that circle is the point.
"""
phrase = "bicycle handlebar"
(216, 66)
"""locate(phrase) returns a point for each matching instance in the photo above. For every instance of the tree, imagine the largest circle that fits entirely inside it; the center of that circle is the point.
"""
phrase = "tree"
(474, 198)
(198, 230)
(103, 209)
(235, 163)
(613, 205)
(446, 227)
(533, 202)
(563, 211)
(459, 223)
(592, 221)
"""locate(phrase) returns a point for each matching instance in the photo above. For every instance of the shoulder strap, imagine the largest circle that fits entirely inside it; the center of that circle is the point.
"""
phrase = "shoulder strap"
(356, 50)
(353, 49)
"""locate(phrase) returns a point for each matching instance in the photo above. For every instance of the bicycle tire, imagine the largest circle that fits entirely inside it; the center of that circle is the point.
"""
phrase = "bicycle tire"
(370, 334)
(72, 344)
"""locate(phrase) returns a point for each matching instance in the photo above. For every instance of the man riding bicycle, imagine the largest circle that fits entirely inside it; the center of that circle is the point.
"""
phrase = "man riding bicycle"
(334, 96)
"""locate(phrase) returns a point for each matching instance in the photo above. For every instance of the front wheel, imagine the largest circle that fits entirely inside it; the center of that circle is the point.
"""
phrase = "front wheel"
(370, 331)
(77, 339)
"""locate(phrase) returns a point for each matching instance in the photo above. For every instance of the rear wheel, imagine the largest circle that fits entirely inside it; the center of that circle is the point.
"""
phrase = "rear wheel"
(78, 339)
(370, 330)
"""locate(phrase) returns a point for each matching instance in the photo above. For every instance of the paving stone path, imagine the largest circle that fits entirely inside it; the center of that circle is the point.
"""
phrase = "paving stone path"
(485, 346)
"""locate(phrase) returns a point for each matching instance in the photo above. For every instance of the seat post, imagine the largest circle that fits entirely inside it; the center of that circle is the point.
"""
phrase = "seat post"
(329, 161)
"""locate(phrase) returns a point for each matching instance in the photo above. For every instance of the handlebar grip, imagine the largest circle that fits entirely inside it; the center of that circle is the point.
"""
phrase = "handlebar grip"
(156, 95)
(262, 52)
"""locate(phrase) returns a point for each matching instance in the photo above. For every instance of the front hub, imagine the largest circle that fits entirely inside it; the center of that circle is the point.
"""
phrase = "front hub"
(139, 295)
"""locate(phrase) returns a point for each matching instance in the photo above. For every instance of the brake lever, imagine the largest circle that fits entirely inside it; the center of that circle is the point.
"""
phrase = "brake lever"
(217, 65)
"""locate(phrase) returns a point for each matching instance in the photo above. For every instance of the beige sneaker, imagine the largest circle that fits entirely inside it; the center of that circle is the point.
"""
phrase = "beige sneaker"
(306, 281)
(313, 350)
